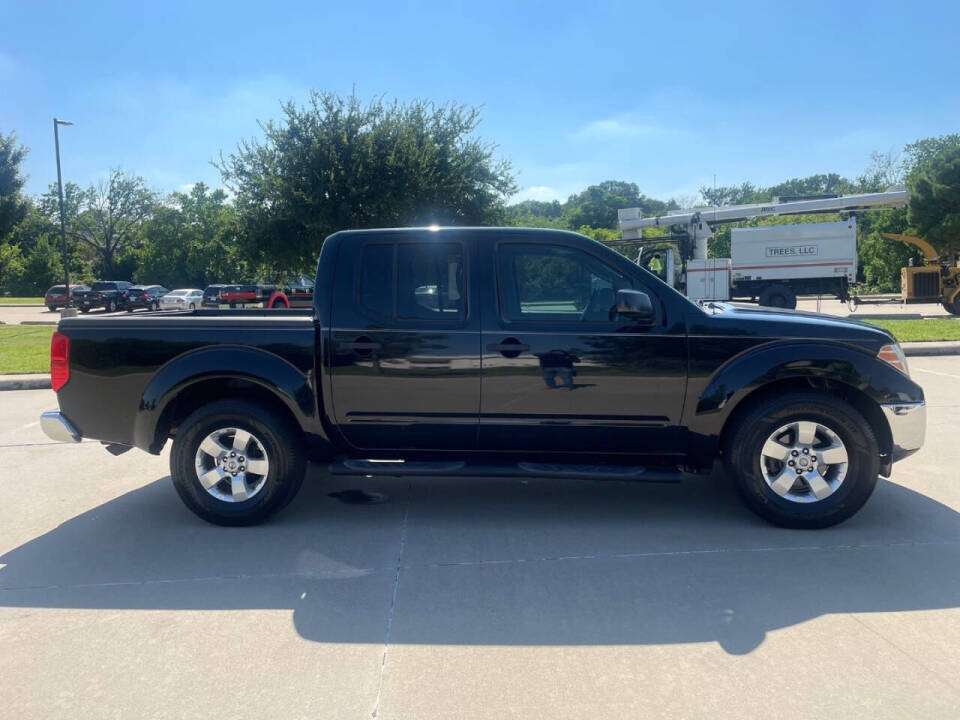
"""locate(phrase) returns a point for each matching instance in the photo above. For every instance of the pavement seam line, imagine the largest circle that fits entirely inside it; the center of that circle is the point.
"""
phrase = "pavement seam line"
(393, 603)
(891, 643)
(469, 563)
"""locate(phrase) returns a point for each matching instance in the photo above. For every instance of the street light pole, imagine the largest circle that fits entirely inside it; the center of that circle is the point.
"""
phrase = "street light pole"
(63, 218)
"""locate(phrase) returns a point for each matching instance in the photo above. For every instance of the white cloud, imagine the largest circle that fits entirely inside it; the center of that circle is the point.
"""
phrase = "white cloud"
(619, 128)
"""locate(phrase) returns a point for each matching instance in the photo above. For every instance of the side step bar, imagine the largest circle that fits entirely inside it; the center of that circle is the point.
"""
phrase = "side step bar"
(461, 468)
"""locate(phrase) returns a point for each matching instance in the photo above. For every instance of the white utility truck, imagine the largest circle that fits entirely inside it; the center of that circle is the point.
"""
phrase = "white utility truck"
(770, 264)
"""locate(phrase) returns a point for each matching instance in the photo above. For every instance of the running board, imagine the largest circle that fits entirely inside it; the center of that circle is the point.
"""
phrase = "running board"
(461, 468)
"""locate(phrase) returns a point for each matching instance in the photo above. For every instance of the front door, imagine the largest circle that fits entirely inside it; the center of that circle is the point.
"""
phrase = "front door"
(562, 372)
(405, 365)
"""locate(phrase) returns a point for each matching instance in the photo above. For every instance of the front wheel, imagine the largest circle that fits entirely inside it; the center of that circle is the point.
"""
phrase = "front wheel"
(803, 460)
(235, 462)
(192, 306)
(952, 307)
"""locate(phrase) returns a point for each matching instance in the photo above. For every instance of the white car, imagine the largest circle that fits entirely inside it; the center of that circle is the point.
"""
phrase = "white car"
(188, 299)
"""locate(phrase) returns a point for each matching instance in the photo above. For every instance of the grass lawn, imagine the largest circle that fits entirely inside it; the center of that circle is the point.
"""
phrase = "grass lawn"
(25, 349)
(21, 301)
(921, 330)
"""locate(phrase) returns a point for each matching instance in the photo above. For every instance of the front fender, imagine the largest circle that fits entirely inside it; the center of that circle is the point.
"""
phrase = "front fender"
(809, 360)
(283, 380)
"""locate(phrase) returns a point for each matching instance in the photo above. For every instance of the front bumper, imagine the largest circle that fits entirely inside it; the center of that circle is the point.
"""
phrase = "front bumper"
(57, 427)
(908, 427)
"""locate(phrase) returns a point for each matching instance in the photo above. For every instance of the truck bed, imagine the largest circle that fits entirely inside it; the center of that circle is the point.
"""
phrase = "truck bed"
(114, 359)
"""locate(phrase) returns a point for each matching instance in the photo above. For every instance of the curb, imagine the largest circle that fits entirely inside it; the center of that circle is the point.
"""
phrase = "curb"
(931, 349)
(39, 322)
(25, 382)
(3, 305)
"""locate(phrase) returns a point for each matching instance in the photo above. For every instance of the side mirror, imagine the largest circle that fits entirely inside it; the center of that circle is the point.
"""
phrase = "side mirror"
(635, 305)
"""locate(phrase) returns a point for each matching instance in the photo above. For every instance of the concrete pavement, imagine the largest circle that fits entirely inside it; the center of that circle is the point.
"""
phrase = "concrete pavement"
(472, 599)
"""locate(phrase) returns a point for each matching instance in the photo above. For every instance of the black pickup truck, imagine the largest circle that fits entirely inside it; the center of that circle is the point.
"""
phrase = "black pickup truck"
(107, 294)
(492, 351)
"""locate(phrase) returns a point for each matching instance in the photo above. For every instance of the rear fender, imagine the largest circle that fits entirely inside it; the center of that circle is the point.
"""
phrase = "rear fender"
(290, 386)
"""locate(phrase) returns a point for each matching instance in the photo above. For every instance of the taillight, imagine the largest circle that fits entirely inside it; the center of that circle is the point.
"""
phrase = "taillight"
(893, 355)
(59, 360)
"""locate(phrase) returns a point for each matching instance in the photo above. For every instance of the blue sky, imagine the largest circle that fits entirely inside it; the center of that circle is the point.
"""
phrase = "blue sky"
(662, 94)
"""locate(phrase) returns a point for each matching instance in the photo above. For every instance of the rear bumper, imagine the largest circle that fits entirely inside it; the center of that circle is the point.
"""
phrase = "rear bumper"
(908, 427)
(57, 427)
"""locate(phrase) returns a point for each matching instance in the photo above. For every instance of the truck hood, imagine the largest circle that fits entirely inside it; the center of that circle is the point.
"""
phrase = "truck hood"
(752, 320)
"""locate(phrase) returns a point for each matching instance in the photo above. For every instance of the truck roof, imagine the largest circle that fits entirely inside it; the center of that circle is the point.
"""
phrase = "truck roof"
(455, 230)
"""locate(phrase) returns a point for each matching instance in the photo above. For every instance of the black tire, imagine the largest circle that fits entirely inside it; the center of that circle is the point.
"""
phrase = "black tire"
(110, 307)
(51, 308)
(84, 310)
(778, 296)
(282, 443)
(952, 307)
(742, 458)
(192, 306)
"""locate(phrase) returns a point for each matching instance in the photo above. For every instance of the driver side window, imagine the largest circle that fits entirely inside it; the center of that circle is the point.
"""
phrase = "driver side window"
(555, 283)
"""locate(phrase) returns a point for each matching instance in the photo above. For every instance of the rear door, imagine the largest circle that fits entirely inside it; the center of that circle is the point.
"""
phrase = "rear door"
(405, 365)
(562, 371)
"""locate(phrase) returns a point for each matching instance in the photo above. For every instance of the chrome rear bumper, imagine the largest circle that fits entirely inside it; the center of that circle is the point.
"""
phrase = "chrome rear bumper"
(908, 426)
(57, 427)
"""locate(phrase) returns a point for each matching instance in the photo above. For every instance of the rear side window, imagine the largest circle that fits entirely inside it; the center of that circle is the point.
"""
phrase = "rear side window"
(430, 281)
(376, 280)
(413, 281)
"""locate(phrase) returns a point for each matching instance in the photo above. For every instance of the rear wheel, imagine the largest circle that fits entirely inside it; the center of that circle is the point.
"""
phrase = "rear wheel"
(193, 306)
(110, 307)
(235, 463)
(52, 308)
(803, 460)
(778, 296)
(84, 310)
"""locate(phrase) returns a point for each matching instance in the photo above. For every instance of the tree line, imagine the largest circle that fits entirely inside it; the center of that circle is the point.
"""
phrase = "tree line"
(340, 163)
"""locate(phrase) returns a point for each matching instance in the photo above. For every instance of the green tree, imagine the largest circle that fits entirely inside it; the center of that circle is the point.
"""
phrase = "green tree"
(108, 218)
(13, 206)
(337, 164)
(934, 185)
(190, 241)
(11, 265)
(42, 268)
(597, 206)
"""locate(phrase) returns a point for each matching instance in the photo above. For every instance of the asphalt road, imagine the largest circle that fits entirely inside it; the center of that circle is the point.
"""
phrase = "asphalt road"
(469, 599)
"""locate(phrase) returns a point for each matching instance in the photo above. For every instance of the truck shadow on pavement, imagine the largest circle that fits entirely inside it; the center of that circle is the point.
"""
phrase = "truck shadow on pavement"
(507, 562)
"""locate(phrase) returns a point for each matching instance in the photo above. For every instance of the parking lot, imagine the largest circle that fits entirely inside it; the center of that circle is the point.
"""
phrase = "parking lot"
(462, 598)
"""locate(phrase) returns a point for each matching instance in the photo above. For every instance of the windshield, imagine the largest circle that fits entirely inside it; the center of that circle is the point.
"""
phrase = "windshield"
(179, 293)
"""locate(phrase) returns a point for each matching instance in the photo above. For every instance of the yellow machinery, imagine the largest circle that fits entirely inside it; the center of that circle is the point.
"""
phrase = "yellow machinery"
(937, 281)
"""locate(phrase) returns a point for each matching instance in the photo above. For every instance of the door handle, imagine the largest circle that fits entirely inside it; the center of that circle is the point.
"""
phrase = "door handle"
(362, 345)
(510, 347)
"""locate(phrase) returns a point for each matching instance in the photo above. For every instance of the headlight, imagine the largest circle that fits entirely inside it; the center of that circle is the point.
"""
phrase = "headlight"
(893, 355)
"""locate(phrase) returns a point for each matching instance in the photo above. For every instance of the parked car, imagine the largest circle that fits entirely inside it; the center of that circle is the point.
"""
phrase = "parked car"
(536, 353)
(106, 294)
(234, 295)
(56, 297)
(183, 299)
(143, 296)
(211, 296)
